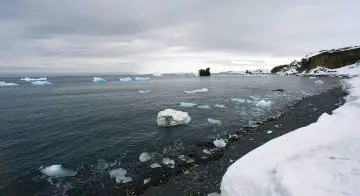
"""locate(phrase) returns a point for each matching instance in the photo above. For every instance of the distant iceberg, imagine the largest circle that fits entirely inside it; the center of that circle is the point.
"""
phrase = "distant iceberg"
(203, 90)
(99, 80)
(204, 107)
(57, 171)
(142, 78)
(170, 117)
(41, 83)
(33, 79)
(214, 121)
(187, 105)
(220, 106)
(157, 74)
(263, 104)
(127, 79)
(144, 92)
(7, 84)
(238, 100)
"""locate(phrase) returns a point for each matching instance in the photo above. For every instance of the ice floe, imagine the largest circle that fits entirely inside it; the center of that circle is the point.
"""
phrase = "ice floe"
(220, 143)
(120, 175)
(41, 83)
(142, 78)
(144, 91)
(33, 79)
(57, 171)
(127, 79)
(170, 117)
(204, 107)
(168, 162)
(206, 151)
(238, 100)
(203, 90)
(144, 157)
(214, 121)
(263, 104)
(155, 165)
(99, 80)
(319, 82)
(147, 180)
(220, 106)
(187, 105)
(7, 84)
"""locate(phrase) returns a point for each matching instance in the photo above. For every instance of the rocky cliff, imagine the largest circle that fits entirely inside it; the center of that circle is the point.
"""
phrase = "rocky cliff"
(330, 59)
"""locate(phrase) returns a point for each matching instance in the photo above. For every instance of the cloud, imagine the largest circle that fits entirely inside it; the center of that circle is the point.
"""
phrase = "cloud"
(171, 36)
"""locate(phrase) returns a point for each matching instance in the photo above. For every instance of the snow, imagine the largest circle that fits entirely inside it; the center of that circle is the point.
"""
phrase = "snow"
(204, 107)
(187, 105)
(155, 165)
(99, 80)
(170, 117)
(144, 91)
(147, 180)
(144, 157)
(41, 83)
(120, 175)
(127, 79)
(319, 82)
(169, 162)
(57, 171)
(320, 159)
(220, 106)
(203, 90)
(238, 100)
(7, 84)
(142, 78)
(33, 79)
(220, 143)
(263, 104)
(214, 121)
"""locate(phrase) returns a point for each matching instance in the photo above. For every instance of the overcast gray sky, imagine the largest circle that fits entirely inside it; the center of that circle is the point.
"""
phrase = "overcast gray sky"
(169, 35)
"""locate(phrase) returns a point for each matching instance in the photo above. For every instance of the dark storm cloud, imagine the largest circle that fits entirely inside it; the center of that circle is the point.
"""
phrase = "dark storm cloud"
(150, 33)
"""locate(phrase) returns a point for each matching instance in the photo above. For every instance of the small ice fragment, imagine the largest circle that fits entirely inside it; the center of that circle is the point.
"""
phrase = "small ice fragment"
(57, 171)
(269, 132)
(8, 84)
(186, 172)
(214, 121)
(126, 179)
(33, 79)
(142, 78)
(220, 106)
(157, 74)
(220, 143)
(170, 117)
(155, 165)
(204, 107)
(147, 180)
(319, 82)
(169, 162)
(102, 164)
(144, 157)
(231, 161)
(99, 80)
(41, 83)
(119, 175)
(182, 157)
(187, 105)
(312, 77)
(203, 90)
(127, 79)
(315, 109)
(206, 151)
(144, 92)
(263, 104)
(277, 126)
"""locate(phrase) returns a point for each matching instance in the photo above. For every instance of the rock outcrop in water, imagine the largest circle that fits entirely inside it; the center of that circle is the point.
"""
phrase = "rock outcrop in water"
(205, 72)
(330, 59)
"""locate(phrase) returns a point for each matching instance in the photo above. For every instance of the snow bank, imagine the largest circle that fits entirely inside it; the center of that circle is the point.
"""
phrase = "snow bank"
(144, 92)
(7, 84)
(41, 83)
(204, 107)
(127, 79)
(120, 175)
(319, 82)
(187, 105)
(99, 80)
(203, 90)
(220, 143)
(213, 121)
(320, 159)
(263, 104)
(220, 106)
(238, 100)
(144, 157)
(142, 78)
(170, 117)
(57, 171)
(33, 79)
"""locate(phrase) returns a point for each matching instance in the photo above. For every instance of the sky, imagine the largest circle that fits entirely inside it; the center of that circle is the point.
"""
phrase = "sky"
(147, 36)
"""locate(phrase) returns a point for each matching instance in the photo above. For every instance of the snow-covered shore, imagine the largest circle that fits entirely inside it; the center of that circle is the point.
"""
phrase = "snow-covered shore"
(320, 159)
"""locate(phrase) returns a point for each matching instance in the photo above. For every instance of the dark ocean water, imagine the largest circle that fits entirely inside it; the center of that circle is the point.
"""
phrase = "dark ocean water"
(93, 129)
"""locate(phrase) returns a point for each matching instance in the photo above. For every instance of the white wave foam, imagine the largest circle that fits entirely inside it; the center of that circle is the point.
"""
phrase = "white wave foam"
(8, 84)
(204, 107)
(41, 83)
(187, 105)
(203, 90)
(319, 82)
(263, 104)
(127, 79)
(238, 100)
(33, 79)
(57, 171)
(155, 165)
(99, 80)
(142, 78)
(185, 159)
(220, 106)
(144, 92)
(144, 157)
(169, 162)
(120, 175)
(220, 143)
(214, 121)
(170, 117)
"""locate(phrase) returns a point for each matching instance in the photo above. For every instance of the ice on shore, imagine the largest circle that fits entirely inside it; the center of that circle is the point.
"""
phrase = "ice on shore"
(33, 79)
(319, 82)
(203, 90)
(142, 78)
(7, 84)
(144, 157)
(127, 79)
(41, 83)
(220, 143)
(238, 100)
(144, 91)
(220, 106)
(204, 107)
(263, 104)
(120, 175)
(214, 121)
(99, 80)
(57, 171)
(187, 105)
(170, 117)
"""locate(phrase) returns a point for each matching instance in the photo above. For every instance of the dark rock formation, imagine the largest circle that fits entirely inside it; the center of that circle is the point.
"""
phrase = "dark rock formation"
(330, 59)
(205, 72)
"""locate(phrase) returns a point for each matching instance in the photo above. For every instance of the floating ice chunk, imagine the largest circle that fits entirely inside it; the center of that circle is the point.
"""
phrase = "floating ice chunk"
(185, 159)
(157, 74)
(238, 100)
(220, 143)
(170, 117)
(147, 180)
(187, 105)
(99, 80)
(319, 82)
(263, 104)
(206, 151)
(169, 162)
(220, 106)
(41, 83)
(33, 79)
(142, 78)
(144, 92)
(8, 84)
(312, 77)
(127, 79)
(214, 121)
(203, 90)
(204, 107)
(155, 165)
(231, 161)
(269, 132)
(119, 175)
(57, 171)
(144, 157)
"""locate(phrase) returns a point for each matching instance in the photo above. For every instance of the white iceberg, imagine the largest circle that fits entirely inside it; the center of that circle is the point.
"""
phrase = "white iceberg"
(220, 143)
(127, 79)
(57, 171)
(214, 121)
(203, 90)
(204, 107)
(319, 82)
(7, 84)
(170, 117)
(144, 91)
(147, 180)
(220, 106)
(169, 162)
(263, 104)
(238, 100)
(144, 157)
(41, 83)
(187, 105)
(155, 165)
(142, 78)
(119, 175)
(320, 159)
(99, 80)
(33, 79)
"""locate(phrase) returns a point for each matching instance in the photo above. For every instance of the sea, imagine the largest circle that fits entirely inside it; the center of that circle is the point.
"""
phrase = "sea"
(78, 137)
